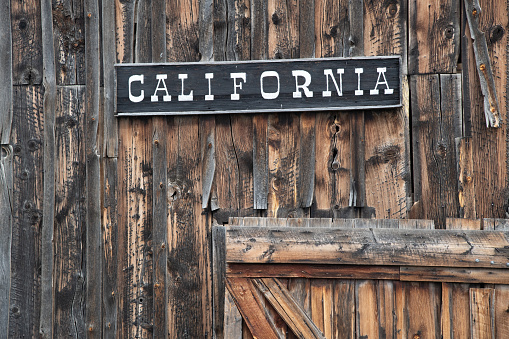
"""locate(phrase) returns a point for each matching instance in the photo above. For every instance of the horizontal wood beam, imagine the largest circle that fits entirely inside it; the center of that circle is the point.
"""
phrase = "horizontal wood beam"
(392, 247)
(458, 275)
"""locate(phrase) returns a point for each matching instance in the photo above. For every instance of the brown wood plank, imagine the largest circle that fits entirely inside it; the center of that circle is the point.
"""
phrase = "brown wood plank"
(344, 309)
(367, 309)
(111, 255)
(501, 314)
(455, 311)
(489, 145)
(135, 200)
(6, 166)
(462, 224)
(321, 295)
(466, 182)
(460, 275)
(218, 281)
(436, 123)
(27, 203)
(444, 248)
(434, 42)
(160, 226)
(182, 31)
(69, 41)
(495, 224)
(189, 260)
(482, 313)
(69, 214)
(293, 315)
(251, 307)
(48, 212)
(27, 43)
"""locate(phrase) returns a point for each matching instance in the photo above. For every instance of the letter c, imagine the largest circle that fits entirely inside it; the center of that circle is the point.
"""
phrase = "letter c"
(136, 98)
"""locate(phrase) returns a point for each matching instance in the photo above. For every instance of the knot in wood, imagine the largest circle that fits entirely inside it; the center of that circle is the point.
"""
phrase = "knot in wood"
(449, 32)
(275, 19)
(392, 10)
(22, 24)
(496, 33)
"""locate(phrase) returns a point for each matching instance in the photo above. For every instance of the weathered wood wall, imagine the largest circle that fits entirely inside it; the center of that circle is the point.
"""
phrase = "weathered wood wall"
(106, 222)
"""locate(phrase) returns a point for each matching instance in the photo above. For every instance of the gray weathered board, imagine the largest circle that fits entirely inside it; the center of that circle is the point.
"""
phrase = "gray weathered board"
(258, 86)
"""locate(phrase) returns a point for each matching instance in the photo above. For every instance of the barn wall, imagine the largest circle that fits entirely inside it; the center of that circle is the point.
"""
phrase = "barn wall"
(104, 227)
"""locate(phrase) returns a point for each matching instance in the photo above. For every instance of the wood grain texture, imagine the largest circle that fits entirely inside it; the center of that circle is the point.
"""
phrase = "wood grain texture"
(48, 213)
(455, 311)
(6, 209)
(294, 316)
(436, 124)
(6, 60)
(109, 58)
(27, 141)
(182, 31)
(434, 36)
(27, 44)
(367, 246)
(69, 41)
(501, 314)
(490, 192)
(459, 275)
(135, 227)
(69, 214)
(218, 282)
(160, 226)
(250, 305)
(189, 291)
(344, 309)
(321, 305)
(482, 313)
(93, 310)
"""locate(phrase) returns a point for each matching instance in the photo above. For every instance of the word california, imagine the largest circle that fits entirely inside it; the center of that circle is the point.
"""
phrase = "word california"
(283, 85)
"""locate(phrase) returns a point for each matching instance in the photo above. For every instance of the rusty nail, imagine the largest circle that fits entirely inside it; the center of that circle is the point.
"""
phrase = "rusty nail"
(90, 329)
(156, 142)
(210, 145)
(161, 185)
(157, 285)
(469, 178)
(89, 15)
(109, 325)
(474, 12)
(416, 336)
(163, 246)
(493, 109)
(482, 67)
(93, 119)
(113, 293)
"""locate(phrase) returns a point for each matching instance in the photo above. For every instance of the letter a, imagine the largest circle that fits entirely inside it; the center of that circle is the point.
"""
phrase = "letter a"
(381, 73)
(161, 78)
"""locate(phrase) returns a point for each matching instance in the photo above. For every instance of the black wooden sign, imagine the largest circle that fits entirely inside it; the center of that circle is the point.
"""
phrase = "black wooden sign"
(258, 86)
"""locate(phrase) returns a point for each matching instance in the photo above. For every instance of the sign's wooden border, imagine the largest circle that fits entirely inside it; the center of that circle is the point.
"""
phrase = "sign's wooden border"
(173, 87)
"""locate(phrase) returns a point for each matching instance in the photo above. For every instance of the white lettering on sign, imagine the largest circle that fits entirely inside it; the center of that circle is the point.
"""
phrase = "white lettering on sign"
(359, 91)
(137, 78)
(161, 79)
(267, 95)
(236, 84)
(209, 96)
(381, 73)
(182, 96)
(307, 81)
(328, 73)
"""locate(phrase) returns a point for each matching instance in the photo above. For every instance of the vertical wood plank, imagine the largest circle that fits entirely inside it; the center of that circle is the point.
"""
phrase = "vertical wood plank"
(489, 145)
(219, 277)
(111, 254)
(435, 127)
(189, 291)
(27, 43)
(466, 179)
(93, 311)
(160, 226)
(259, 50)
(434, 41)
(344, 309)
(69, 213)
(27, 139)
(455, 311)
(501, 314)
(69, 41)
(321, 294)
(6, 165)
(482, 313)
(48, 213)
(332, 131)
(6, 184)
(182, 31)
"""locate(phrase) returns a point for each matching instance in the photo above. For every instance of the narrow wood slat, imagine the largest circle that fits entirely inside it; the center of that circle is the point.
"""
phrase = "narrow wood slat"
(494, 224)
(280, 298)
(5, 73)
(48, 216)
(344, 309)
(6, 185)
(460, 275)
(160, 226)
(321, 299)
(482, 313)
(367, 246)
(434, 36)
(501, 314)
(250, 306)
(313, 271)
(218, 280)
(455, 311)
